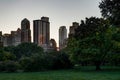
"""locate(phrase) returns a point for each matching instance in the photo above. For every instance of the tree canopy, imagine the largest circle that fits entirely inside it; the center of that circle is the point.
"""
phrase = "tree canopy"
(93, 41)
(110, 9)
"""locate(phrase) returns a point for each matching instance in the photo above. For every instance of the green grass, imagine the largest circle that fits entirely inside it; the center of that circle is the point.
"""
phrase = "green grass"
(84, 73)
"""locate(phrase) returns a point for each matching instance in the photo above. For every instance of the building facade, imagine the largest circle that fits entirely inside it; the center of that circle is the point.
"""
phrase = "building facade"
(41, 32)
(62, 37)
(16, 37)
(7, 40)
(1, 39)
(72, 29)
(53, 45)
(12, 39)
(25, 31)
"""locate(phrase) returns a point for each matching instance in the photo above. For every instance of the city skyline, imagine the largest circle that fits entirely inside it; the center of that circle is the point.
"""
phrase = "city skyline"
(60, 12)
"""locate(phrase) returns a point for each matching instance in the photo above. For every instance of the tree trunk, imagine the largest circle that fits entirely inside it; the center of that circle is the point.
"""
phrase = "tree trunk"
(97, 64)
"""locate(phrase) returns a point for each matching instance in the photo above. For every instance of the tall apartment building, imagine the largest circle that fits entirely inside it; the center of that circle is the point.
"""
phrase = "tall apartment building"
(72, 29)
(62, 37)
(16, 37)
(12, 39)
(7, 40)
(25, 31)
(1, 39)
(41, 32)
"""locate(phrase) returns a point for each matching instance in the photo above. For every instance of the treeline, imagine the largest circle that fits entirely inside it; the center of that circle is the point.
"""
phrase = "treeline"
(96, 42)
(30, 57)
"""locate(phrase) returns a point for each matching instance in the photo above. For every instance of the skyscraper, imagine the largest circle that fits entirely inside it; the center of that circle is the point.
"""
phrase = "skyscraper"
(41, 32)
(25, 31)
(62, 37)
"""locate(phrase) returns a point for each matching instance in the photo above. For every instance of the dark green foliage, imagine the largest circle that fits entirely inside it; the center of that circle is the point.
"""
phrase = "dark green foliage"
(110, 9)
(2, 66)
(26, 63)
(9, 66)
(94, 40)
(91, 26)
(36, 63)
(9, 49)
(62, 61)
(6, 56)
(114, 59)
(46, 61)
(26, 49)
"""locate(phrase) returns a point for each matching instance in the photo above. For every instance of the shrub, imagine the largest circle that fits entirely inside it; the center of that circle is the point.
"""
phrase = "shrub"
(2, 67)
(61, 61)
(10, 66)
(26, 63)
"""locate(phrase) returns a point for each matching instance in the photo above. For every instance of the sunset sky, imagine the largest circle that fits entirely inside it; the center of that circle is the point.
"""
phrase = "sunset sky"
(60, 13)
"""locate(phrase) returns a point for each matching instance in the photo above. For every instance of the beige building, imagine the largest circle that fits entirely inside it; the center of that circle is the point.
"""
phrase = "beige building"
(62, 37)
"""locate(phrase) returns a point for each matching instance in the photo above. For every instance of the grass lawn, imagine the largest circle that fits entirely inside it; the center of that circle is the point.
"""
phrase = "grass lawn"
(84, 73)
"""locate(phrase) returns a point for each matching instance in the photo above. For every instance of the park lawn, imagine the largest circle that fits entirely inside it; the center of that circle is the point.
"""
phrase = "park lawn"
(73, 74)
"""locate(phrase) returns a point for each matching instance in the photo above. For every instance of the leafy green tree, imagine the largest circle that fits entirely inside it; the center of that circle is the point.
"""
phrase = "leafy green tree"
(11, 66)
(27, 49)
(61, 61)
(110, 9)
(93, 41)
(4, 56)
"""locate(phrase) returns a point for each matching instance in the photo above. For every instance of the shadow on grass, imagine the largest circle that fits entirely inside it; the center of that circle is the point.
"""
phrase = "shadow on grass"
(93, 69)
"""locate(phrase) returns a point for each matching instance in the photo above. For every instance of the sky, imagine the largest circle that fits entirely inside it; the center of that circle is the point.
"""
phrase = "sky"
(60, 13)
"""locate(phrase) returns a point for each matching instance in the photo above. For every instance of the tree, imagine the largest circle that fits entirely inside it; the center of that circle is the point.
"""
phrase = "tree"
(4, 56)
(27, 49)
(93, 41)
(110, 9)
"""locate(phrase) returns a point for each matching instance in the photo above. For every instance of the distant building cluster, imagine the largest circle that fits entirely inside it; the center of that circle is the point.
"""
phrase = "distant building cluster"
(63, 34)
(41, 35)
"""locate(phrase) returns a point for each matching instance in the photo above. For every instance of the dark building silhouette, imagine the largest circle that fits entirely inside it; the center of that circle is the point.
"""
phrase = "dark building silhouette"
(72, 29)
(1, 39)
(53, 45)
(62, 37)
(25, 31)
(41, 32)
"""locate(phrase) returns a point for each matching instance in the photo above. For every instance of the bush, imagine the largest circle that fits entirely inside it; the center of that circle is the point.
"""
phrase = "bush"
(2, 67)
(36, 62)
(61, 61)
(26, 63)
(11, 66)
(46, 61)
